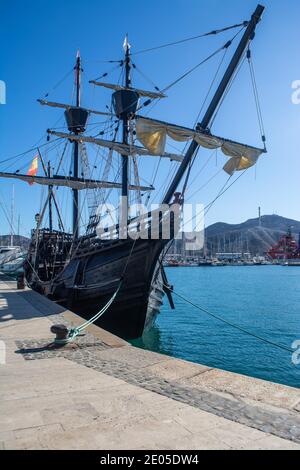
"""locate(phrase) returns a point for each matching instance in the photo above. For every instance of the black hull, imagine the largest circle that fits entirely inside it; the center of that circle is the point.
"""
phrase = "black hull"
(90, 279)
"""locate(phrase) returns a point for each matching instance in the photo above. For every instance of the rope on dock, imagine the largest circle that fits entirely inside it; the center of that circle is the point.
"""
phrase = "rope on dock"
(217, 317)
(73, 332)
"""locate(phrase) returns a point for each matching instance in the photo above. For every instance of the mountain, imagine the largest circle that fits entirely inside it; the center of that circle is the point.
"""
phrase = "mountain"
(19, 240)
(254, 235)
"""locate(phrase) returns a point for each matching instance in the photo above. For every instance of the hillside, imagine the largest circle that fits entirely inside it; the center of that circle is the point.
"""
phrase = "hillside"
(252, 235)
(19, 240)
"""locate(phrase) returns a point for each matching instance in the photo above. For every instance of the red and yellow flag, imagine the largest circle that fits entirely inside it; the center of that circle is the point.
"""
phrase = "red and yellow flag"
(33, 168)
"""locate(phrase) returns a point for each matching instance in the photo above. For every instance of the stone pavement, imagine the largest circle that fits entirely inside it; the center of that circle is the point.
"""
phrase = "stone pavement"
(101, 393)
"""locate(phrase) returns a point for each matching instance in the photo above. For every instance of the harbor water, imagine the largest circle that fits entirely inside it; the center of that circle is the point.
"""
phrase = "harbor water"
(264, 300)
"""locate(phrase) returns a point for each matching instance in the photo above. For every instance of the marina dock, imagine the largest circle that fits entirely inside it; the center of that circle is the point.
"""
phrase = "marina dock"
(99, 392)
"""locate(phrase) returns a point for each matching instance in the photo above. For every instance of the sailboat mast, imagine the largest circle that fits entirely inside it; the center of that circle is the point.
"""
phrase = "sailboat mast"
(19, 217)
(125, 158)
(76, 151)
(12, 216)
(247, 36)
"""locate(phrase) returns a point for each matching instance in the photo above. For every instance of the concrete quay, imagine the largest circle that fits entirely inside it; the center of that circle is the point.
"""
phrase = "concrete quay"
(102, 393)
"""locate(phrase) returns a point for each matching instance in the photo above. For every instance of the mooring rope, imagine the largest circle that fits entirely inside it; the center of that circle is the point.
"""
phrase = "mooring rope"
(233, 325)
(73, 332)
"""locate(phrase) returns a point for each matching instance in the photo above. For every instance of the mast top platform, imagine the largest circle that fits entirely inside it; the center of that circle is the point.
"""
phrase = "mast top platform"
(125, 102)
(76, 119)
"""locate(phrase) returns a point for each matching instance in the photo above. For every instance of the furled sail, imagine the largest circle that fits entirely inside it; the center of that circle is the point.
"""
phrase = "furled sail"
(152, 134)
(53, 104)
(70, 182)
(123, 149)
(146, 93)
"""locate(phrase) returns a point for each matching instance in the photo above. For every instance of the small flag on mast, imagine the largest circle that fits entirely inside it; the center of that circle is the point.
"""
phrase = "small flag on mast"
(33, 168)
(126, 44)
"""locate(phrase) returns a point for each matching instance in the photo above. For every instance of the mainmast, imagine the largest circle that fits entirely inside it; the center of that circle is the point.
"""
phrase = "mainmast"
(50, 189)
(248, 36)
(125, 158)
(76, 150)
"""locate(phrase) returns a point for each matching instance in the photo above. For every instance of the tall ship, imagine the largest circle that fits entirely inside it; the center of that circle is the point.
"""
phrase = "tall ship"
(117, 264)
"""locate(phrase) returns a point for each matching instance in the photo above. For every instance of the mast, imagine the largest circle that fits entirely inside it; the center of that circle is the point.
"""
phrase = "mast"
(247, 36)
(12, 216)
(76, 150)
(204, 244)
(125, 158)
(50, 188)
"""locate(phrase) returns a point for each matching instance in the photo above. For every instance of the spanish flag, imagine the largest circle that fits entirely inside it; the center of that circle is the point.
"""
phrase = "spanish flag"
(33, 168)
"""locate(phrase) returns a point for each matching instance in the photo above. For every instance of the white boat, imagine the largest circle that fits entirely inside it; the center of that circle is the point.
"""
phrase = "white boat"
(292, 262)
(14, 267)
(12, 259)
(8, 253)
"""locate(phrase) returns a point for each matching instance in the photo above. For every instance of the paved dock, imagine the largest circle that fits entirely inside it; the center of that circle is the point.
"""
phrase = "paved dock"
(102, 393)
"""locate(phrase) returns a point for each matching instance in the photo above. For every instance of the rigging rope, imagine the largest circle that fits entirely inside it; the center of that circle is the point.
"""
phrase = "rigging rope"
(208, 206)
(4, 209)
(200, 171)
(211, 85)
(30, 150)
(228, 89)
(210, 33)
(223, 190)
(105, 74)
(145, 76)
(256, 98)
(196, 66)
(59, 82)
(225, 46)
(204, 101)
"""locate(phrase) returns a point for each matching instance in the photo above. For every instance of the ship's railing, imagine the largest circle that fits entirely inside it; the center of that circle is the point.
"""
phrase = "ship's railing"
(45, 233)
(157, 224)
(49, 251)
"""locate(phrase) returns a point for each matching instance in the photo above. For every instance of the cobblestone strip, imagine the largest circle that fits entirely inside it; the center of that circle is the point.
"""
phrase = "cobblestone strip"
(84, 352)
(45, 348)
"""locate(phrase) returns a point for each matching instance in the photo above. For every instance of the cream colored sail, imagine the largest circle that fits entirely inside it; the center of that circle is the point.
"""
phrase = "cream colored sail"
(153, 134)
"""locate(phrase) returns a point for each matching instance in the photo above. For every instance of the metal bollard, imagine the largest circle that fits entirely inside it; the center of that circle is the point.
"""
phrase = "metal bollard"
(21, 281)
(61, 332)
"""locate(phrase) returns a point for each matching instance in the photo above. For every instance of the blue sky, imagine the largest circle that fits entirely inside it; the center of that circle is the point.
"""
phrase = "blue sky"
(39, 40)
